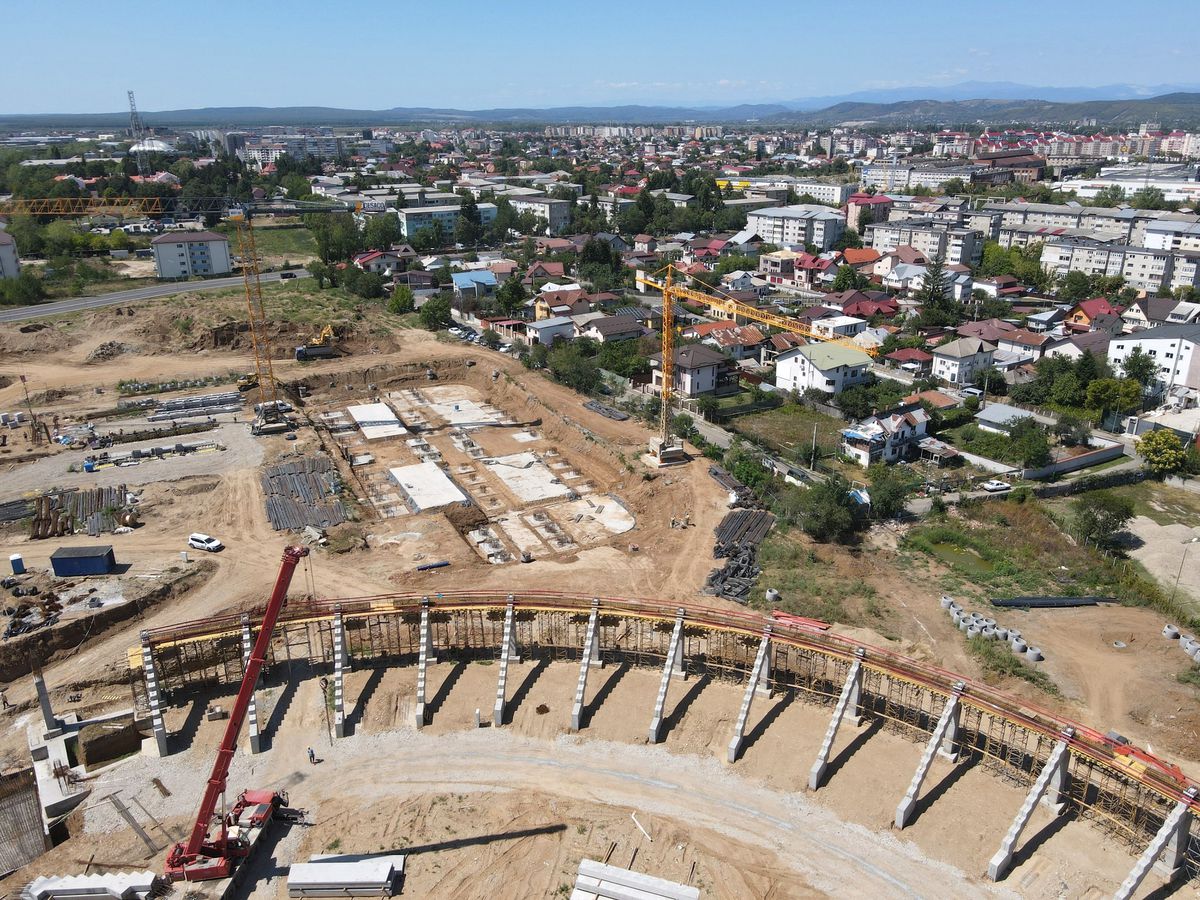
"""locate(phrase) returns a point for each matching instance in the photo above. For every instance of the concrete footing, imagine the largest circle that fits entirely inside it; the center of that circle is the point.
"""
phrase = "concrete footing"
(591, 657)
(154, 696)
(1050, 786)
(936, 745)
(424, 658)
(1170, 843)
(757, 683)
(508, 653)
(252, 710)
(673, 665)
(340, 660)
(848, 703)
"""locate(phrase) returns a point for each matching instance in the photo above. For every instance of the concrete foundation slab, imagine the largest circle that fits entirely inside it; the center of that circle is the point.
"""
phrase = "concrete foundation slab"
(426, 486)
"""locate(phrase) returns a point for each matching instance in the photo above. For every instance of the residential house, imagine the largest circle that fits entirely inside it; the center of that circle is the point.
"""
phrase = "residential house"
(830, 368)
(873, 338)
(561, 302)
(503, 269)
(990, 330)
(780, 343)
(188, 254)
(1001, 287)
(958, 361)
(1000, 418)
(613, 240)
(384, 262)
(698, 369)
(476, 284)
(416, 280)
(1183, 313)
(839, 326)
(935, 399)
(1027, 345)
(1047, 320)
(886, 437)
(608, 329)
(863, 209)
(543, 271)
(547, 331)
(644, 243)
(900, 256)
(862, 259)
(911, 359)
(740, 342)
(1173, 349)
(1073, 346)
(1083, 315)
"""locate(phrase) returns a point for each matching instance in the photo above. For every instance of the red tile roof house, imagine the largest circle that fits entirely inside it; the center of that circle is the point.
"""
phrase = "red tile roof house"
(910, 359)
(741, 342)
(543, 271)
(780, 343)
(1085, 313)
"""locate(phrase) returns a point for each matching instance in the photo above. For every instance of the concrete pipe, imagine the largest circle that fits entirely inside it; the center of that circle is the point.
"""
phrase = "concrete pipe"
(1188, 646)
(988, 632)
(1188, 637)
(964, 623)
(1170, 632)
(1034, 654)
(954, 607)
(772, 595)
(973, 631)
(991, 623)
(1001, 633)
(1018, 645)
(1013, 634)
(946, 602)
(1196, 655)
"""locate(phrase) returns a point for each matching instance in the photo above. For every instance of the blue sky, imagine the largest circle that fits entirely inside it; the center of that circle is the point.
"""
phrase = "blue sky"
(468, 54)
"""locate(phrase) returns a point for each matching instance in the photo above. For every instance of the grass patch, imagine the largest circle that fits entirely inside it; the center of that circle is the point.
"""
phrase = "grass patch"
(1000, 662)
(296, 244)
(1025, 553)
(1191, 676)
(812, 587)
(1165, 505)
(789, 428)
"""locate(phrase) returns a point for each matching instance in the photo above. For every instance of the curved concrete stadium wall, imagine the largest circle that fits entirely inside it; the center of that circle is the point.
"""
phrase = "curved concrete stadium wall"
(1132, 797)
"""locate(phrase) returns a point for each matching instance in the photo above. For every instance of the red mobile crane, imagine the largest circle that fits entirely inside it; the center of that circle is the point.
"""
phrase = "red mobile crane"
(203, 858)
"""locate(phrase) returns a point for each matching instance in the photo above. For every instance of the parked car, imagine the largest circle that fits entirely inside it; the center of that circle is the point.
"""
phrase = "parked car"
(995, 486)
(287, 274)
(198, 541)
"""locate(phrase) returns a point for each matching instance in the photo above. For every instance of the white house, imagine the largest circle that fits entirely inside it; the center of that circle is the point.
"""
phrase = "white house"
(697, 370)
(184, 254)
(887, 436)
(10, 266)
(830, 368)
(1173, 349)
(547, 331)
(839, 326)
(958, 361)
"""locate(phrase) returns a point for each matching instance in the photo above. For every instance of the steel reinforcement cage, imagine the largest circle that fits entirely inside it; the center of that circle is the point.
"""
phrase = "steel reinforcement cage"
(1128, 796)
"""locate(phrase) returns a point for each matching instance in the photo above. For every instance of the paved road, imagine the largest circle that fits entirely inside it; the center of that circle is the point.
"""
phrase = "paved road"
(120, 298)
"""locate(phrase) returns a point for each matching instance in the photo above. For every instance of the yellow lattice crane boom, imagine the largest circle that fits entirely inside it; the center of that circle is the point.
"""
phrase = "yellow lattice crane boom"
(672, 290)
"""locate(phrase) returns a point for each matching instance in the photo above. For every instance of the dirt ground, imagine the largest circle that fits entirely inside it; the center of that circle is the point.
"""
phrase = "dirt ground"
(509, 813)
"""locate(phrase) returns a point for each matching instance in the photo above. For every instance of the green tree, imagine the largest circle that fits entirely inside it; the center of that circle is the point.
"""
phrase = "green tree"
(1163, 452)
(435, 313)
(402, 300)
(1029, 442)
(511, 296)
(468, 229)
(1109, 195)
(490, 338)
(1109, 395)
(1073, 287)
(382, 231)
(1066, 390)
(570, 366)
(848, 278)
(827, 513)
(536, 357)
(319, 271)
(1098, 516)
(683, 425)
(1148, 198)
(891, 486)
(708, 406)
(1139, 366)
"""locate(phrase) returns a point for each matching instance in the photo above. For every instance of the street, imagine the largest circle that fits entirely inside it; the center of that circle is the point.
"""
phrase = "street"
(119, 298)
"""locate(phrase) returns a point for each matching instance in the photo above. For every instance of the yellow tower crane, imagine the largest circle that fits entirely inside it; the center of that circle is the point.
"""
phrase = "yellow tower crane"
(663, 448)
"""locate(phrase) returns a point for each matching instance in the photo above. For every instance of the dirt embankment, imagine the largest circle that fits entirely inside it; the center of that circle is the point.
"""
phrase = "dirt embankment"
(49, 644)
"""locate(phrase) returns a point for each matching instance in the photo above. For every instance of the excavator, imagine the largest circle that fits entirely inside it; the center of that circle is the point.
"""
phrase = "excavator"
(208, 855)
(319, 347)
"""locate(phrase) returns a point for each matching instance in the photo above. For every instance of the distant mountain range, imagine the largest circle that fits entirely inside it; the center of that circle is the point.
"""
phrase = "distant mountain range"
(1005, 103)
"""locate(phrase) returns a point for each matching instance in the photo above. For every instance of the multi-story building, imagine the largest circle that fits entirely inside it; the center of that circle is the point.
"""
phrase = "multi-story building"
(888, 176)
(957, 246)
(830, 368)
(958, 361)
(1141, 267)
(800, 224)
(297, 146)
(1172, 235)
(1173, 349)
(445, 217)
(187, 254)
(10, 266)
(556, 213)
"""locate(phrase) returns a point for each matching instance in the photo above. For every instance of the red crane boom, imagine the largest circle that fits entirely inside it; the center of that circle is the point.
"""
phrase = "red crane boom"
(202, 859)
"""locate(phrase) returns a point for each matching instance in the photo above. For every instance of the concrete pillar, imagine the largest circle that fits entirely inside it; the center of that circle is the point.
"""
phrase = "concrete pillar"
(1054, 777)
(757, 680)
(848, 702)
(153, 695)
(672, 665)
(941, 733)
(252, 710)
(591, 657)
(340, 661)
(1173, 838)
(424, 657)
(508, 653)
(43, 694)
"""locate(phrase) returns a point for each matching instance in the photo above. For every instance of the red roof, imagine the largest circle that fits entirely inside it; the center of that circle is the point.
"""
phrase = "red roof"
(910, 354)
(859, 257)
(1098, 306)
